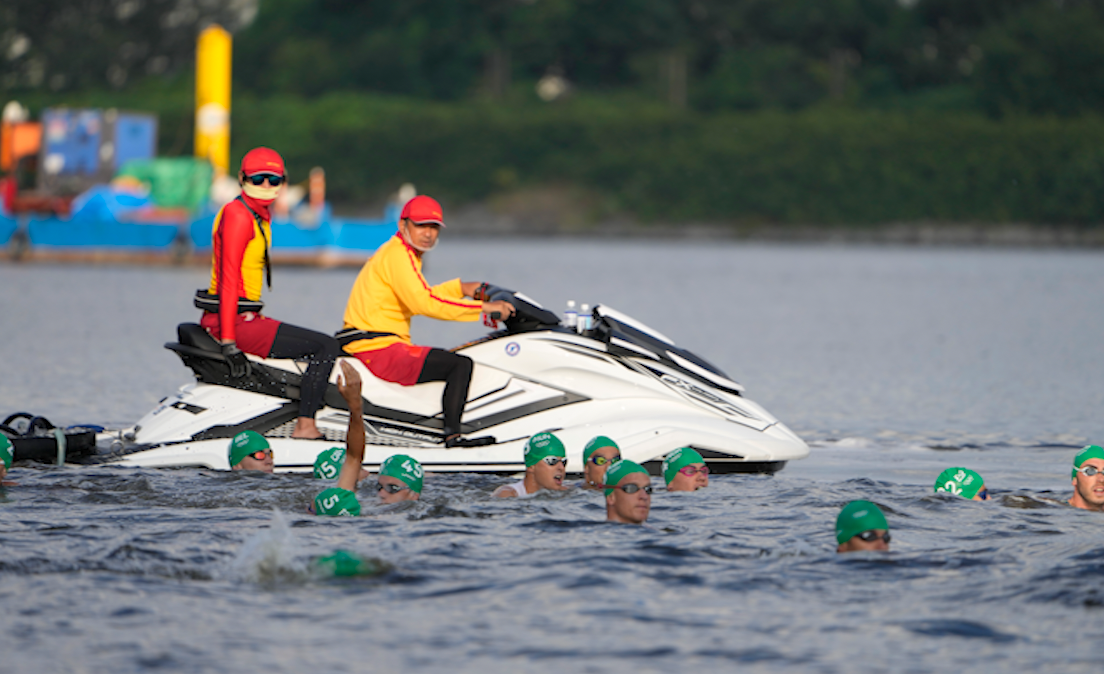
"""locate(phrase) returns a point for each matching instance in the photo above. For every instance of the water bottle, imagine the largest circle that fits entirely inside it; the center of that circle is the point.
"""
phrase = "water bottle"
(571, 318)
(584, 318)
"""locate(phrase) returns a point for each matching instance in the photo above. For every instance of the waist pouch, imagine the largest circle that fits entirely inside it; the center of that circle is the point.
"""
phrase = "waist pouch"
(208, 302)
(349, 335)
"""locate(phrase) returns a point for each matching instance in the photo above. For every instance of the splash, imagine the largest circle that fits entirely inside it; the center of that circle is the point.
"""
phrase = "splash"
(268, 557)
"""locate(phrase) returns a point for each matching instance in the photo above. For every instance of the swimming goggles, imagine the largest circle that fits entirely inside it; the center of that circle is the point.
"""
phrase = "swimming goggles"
(390, 488)
(259, 178)
(555, 461)
(632, 488)
(261, 454)
(1089, 471)
(983, 494)
(694, 470)
(871, 536)
(601, 460)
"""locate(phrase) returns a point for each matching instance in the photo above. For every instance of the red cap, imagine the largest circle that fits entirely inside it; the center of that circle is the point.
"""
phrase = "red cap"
(262, 160)
(423, 209)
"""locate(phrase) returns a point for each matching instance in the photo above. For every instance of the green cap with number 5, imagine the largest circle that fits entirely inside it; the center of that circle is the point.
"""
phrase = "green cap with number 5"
(405, 468)
(336, 502)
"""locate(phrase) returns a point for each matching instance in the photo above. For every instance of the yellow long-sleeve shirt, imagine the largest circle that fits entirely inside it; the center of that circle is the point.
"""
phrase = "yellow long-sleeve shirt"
(390, 290)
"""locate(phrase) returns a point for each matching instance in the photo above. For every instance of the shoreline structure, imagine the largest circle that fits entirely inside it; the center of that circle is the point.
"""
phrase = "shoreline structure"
(480, 222)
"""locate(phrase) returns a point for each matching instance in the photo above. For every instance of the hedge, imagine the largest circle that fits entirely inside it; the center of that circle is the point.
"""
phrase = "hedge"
(826, 166)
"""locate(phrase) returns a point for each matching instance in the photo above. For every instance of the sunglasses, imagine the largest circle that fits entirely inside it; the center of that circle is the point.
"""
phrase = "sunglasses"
(261, 454)
(1089, 471)
(390, 488)
(259, 178)
(693, 470)
(554, 461)
(870, 536)
(632, 488)
(601, 460)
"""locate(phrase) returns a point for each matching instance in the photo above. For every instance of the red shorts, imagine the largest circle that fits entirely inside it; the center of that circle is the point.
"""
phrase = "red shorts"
(254, 332)
(400, 363)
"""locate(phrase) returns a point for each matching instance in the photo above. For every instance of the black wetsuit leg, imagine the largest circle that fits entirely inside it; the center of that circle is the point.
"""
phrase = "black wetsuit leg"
(320, 349)
(456, 371)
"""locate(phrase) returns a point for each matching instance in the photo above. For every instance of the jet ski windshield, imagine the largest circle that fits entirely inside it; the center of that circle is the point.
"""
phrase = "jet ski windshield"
(627, 337)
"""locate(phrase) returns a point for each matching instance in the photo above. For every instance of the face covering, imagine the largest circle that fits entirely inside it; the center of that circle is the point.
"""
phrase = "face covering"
(406, 238)
(260, 192)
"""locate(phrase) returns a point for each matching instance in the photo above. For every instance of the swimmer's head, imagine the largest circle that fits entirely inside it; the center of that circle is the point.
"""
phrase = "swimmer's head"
(405, 469)
(328, 464)
(336, 502)
(596, 444)
(542, 445)
(628, 493)
(1089, 452)
(962, 482)
(684, 470)
(250, 451)
(345, 564)
(6, 453)
(620, 471)
(856, 518)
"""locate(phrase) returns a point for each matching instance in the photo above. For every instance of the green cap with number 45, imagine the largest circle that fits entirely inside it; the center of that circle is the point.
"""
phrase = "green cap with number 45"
(405, 468)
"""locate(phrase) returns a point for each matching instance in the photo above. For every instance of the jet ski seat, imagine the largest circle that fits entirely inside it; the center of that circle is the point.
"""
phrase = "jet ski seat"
(193, 335)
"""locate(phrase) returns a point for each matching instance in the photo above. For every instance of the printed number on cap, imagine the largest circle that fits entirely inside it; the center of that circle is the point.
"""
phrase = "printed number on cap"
(329, 470)
(416, 470)
(330, 501)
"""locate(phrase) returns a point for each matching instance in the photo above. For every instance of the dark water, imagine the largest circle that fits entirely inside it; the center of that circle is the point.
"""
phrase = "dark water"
(893, 363)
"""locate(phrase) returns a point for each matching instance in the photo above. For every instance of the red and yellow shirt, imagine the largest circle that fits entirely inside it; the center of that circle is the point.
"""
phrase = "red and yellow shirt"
(238, 259)
(390, 290)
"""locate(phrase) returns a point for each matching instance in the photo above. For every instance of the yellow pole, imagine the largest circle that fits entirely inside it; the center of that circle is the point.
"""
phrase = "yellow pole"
(212, 119)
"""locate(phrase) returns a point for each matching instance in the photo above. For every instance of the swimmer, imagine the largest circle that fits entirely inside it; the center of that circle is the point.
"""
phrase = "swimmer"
(685, 470)
(628, 493)
(400, 479)
(545, 467)
(1088, 479)
(250, 451)
(6, 455)
(962, 482)
(598, 454)
(328, 464)
(341, 501)
(860, 527)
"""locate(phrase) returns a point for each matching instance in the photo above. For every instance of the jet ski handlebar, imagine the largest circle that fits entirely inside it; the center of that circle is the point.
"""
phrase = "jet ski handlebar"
(528, 315)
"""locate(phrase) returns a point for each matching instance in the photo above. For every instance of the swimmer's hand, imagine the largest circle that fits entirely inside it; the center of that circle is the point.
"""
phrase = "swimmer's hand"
(503, 308)
(348, 383)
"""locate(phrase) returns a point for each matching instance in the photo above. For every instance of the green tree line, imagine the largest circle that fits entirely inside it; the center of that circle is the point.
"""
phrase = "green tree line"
(782, 111)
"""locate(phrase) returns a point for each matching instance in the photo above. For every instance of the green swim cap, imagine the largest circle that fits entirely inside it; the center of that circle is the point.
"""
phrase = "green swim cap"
(677, 460)
(857, 517)
(617, 471)
(345, 564)
(1089, 452)
(961, 481)
(244, 444)
(5, 451)
(336, 502)
(542, 445)
(405, 468)
(598, 443)
(328, 464)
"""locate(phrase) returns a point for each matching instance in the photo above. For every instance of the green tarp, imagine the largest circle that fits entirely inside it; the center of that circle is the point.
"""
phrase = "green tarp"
(177, 182)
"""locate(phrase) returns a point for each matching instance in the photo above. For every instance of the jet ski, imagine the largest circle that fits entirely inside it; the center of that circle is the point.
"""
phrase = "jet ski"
(617, 377)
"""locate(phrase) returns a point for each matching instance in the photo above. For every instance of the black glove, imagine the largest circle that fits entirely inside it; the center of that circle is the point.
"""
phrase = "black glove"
(236, 360)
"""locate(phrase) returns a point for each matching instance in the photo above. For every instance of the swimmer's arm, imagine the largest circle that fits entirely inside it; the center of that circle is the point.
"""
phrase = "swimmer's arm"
(505, 492)
(349, 386)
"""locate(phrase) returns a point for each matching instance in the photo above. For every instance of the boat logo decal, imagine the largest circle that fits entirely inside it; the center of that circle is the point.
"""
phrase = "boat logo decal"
(513, 349)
